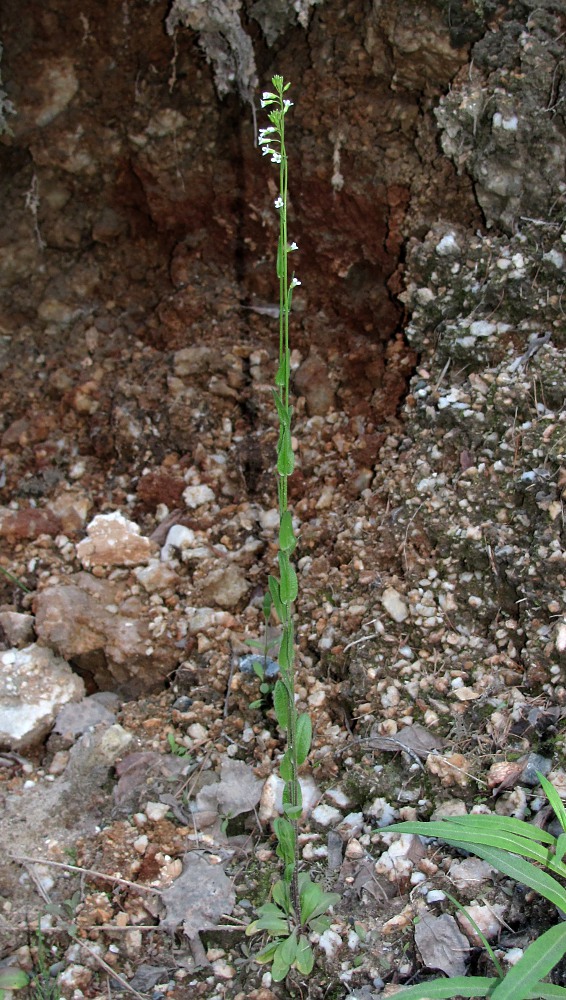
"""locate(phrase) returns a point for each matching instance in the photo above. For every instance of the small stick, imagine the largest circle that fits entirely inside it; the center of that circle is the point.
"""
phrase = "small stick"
(87, 871)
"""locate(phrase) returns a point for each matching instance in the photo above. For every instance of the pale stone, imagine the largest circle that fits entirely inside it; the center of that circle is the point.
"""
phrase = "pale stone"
(18, 628)
(156, 811)
(326, 815)
(394, 604)
(179, 539)
(271, 801)
(34, 685)
(85, 616)
(196, 496)
(113, 540)
(155, 576)
(224, 586)
(490, 920)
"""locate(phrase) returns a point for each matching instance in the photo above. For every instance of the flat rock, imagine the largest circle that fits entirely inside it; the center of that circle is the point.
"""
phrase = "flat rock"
(113, 540)
(224, 586)
(107, 630)
(34, 685)
(17, 627)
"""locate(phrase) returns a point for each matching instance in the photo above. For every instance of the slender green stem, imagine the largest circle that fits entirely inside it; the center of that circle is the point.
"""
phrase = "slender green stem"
(273, 139)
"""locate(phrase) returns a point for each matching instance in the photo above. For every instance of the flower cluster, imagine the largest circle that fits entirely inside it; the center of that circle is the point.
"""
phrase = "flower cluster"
(272, 141)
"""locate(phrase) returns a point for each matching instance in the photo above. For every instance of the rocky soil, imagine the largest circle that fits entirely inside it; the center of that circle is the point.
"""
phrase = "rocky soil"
(138, 518)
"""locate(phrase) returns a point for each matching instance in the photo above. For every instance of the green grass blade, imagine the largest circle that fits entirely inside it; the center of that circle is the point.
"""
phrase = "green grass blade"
(540, 957)
(447, 989)
(503, 824)
(479, 933)
(548, 991)
(522, 871)
(554, 799)
(470, 838)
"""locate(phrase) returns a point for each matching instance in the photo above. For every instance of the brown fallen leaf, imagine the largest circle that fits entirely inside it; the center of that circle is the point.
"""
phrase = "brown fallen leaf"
(197, 900)
(441, 944)
(415, 739)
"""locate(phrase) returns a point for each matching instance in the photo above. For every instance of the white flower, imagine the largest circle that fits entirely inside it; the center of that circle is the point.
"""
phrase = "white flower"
(278, 202)
(292, 246)
(267, 150)
(276, 158)
(263, 132)
(288, 104)
(294, 283)
(266, 95)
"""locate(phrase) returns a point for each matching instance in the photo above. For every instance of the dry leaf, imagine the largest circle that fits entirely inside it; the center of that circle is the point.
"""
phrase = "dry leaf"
(442, 944)
(198, 898)
(238, 790)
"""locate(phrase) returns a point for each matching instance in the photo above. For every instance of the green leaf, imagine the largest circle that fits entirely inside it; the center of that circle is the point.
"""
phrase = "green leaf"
(266, 605)
(286, 649)
(292, 794)
(281, 705)
(254, 643)
(304, 959)
(257, 667)
(288, 585)
(256, 704)
(280, 965)
(303, 737)
(288, 948)
(13, 979)
(266, 954)
(287, 540)
(286, 769)
(560, 847)
(522, 871)
(283, 412)
(473, 826)
(540, 957)
(282, 373)
(292, 812)
(470, 834)
(285, 833)
(447, 989)
(285, 456)
(509, 824)
(554, 799)
(547, 991)
(320, 924)
(282, 895)
(273, 584)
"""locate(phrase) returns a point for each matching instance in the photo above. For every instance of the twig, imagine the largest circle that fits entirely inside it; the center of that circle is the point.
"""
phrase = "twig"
(86, 871)
(111, 972)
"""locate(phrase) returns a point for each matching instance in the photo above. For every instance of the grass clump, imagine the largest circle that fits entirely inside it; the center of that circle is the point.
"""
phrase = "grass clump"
(534, 858)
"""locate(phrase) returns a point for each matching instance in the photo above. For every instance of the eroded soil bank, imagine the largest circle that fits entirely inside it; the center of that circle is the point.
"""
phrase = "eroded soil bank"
(138, 522)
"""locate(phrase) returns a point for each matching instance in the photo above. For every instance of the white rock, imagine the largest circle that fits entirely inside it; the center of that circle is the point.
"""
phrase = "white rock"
(179, 538)
(113, 540)
(338, 797)
(488, 918)
(330, 942)
(394, 604)
(155, 576)
(34, 685)
(351, 826)
(326, 815)
(383, 812)
(269, 519)
(156, 811)
(448, 247)
(196, 496)
(271, 802)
